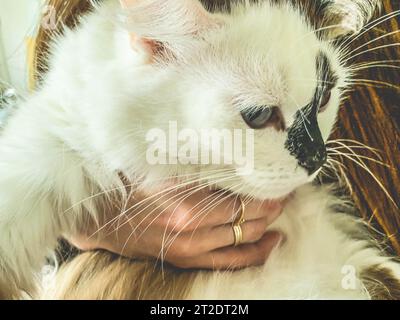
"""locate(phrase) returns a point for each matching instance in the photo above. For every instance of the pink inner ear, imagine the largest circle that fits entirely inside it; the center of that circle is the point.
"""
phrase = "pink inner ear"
(195, 10)
(153, 20)
(148, 46)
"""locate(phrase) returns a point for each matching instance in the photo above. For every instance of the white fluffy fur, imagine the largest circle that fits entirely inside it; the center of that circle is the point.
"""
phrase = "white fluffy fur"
(88, 122)
(312, 264)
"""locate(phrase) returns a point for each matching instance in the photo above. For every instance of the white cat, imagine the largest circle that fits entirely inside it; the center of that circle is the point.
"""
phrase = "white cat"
(128, 70)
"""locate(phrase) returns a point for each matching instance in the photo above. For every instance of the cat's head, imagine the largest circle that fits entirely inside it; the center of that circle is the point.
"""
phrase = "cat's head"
(262, 66)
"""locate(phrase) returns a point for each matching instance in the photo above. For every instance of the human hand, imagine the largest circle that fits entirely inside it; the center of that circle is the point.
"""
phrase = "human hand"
(192, 233)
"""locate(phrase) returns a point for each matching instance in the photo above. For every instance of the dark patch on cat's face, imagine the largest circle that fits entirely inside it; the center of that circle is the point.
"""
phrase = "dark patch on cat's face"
(305, 140)
(381, 283)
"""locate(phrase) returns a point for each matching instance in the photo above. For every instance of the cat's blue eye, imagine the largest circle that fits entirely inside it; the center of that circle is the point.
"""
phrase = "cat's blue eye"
(258, 117)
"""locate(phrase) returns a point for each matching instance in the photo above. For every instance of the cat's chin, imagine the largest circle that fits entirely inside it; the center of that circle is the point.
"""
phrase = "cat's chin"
(264, 194)
(269, 192)
(273, 197)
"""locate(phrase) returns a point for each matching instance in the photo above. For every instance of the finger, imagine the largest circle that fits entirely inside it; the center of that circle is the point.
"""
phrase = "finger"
(252, 231)
(194, 212)
(204, 240)
(228, 211)
(233, 258)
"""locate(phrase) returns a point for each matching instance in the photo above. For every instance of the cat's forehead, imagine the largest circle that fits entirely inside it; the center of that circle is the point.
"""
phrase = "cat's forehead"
(268, 54)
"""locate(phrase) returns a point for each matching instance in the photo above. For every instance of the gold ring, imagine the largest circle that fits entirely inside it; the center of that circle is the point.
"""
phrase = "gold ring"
(238, 235)
(239, 220)
(240, 216)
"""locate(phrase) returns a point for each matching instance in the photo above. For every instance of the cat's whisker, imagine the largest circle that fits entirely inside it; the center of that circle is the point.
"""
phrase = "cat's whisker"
(195, 182)
(110, 190)
(191, 209)
(374, 40)
(197, 177)
(353, 141)
(326, 171)
(204, 212)
(313, 32)
(164, 193)
(196, 187)
(165, 238)
(359, 158)
(330, 172)
(373, 66)
(303, 117)
(362, 165)
(216, 201)
(342, 146)
(207, 209)
(356, 67)
(158, 215)
(340, 170)
(358, 145)
(386, 235)
(332, 160)
(339, 152)
(185, 196)
(348, 140)
(371, 25)
(373, 83)
(313, 81)
(390, 45)
(375, 62)
(357, 148)
(167, 243)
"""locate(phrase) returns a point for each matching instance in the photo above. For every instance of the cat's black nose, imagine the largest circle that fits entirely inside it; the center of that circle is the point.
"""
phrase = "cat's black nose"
(305, 140)
(312, 159)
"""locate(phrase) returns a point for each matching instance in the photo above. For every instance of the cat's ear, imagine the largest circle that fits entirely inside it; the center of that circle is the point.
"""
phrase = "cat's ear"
(347, 17)
(159, 26)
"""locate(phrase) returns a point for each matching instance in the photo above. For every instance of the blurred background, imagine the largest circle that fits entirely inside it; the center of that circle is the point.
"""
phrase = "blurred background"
(18, 25)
